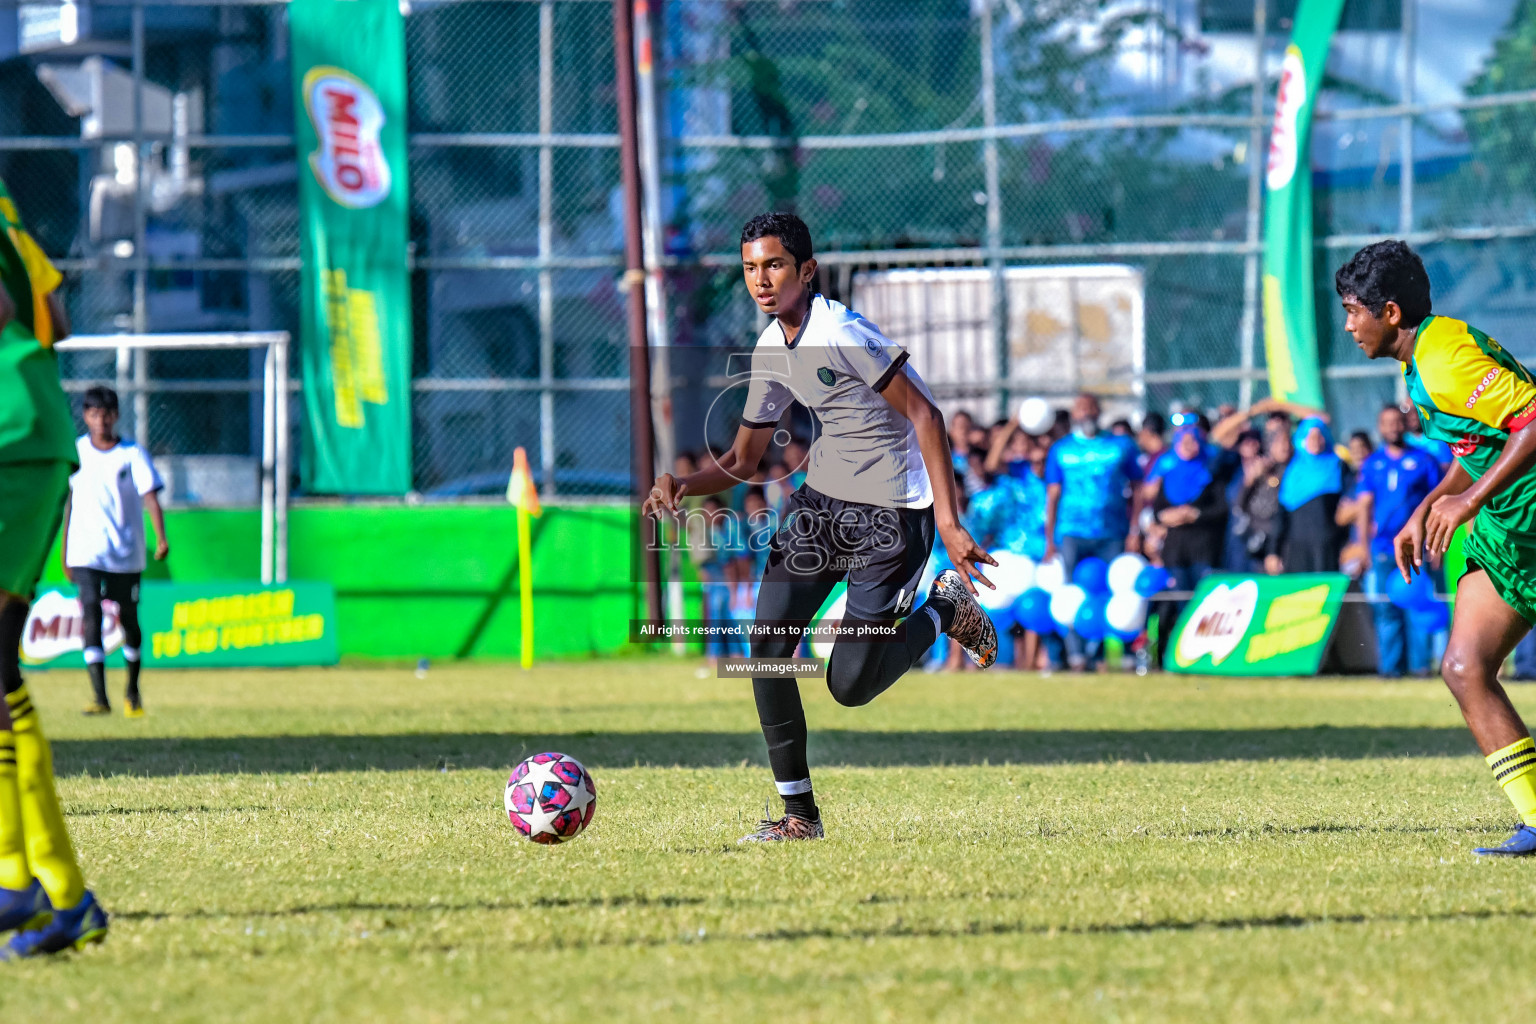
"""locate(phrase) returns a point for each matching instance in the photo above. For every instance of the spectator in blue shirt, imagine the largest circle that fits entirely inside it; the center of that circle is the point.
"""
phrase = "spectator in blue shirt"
(1414, 438)
(1395, 478)
(1088, 476)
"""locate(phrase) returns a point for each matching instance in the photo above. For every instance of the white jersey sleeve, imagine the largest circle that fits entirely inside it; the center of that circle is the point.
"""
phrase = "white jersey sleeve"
(145, 477)
(867, 354)
(768, 393)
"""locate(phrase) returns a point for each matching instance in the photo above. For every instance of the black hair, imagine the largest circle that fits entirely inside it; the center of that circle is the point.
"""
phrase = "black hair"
(1361, 435)
(1155, 422)
(100, 398)
(786, 227)
(1386, 272)
(1121, 425)
(1392, 407)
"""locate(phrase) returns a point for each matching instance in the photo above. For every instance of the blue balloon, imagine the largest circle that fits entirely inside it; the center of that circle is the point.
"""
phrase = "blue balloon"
(1420, 593)
(1033, 611)
(1089, 623)
(1092, 574)
(1151, 580)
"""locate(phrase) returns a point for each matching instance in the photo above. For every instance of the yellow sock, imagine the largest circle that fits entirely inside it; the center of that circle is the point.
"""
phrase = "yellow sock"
(50, 856)
(13, 850)
(1514, 768)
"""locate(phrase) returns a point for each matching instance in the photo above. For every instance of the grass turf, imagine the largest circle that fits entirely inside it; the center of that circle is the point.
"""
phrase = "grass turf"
(330, 845)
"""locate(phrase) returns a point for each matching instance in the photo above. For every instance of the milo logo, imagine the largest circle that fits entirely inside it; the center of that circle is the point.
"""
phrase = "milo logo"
(1284, 137)
(348, 118)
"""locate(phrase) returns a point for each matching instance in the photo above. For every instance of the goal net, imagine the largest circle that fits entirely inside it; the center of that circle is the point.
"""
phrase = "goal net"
(212, 409)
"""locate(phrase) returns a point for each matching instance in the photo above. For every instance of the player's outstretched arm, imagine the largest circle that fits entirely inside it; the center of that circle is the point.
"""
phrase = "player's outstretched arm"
(730, 469)
(1449, 511)
(157, 519)
(928, 423)
(1409, 544)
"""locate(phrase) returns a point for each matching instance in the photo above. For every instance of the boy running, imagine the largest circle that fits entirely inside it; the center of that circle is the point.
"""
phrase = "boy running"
(880, 482)
(104, 540)
(43, 897)
(1480, 400)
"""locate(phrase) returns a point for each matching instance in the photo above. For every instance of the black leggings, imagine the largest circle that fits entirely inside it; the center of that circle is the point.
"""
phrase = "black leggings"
(122, 587)
(857, 673)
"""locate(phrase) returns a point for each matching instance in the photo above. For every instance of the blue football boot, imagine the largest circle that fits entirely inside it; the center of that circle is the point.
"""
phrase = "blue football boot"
(1521, 844)
(24, 909)
(82, 924)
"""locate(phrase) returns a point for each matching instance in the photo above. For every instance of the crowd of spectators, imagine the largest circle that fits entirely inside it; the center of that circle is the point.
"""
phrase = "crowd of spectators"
(1262, 490)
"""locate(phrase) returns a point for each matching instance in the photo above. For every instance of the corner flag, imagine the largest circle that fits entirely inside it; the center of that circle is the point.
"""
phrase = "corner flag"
(525, 497)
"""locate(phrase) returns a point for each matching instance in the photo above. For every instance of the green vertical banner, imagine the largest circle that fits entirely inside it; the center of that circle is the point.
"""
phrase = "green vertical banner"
(1290, 318)
(355, 343)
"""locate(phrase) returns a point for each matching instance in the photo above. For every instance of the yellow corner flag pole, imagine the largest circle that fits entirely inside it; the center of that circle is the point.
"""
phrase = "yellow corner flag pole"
(522, 494)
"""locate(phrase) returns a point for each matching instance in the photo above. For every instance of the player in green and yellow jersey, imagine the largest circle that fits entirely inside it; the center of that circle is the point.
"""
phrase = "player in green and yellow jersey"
(1480, 400)
(43, 897)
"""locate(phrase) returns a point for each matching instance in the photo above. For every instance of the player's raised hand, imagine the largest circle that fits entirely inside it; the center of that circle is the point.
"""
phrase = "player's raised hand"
(665, 494)
(965, 555)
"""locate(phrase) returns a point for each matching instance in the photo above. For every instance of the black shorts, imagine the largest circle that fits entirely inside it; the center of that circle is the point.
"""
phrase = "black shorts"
(97, 585)
(880, 551)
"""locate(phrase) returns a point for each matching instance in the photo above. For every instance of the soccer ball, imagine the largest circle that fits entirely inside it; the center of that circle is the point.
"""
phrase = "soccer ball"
(550, 798)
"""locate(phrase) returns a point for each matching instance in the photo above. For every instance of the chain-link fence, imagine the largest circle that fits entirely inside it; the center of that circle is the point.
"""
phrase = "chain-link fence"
(908, 133)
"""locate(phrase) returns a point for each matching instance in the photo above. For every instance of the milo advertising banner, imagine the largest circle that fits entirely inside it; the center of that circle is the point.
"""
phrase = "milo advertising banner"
(194, 625)
(1257, 625)
(355, 338)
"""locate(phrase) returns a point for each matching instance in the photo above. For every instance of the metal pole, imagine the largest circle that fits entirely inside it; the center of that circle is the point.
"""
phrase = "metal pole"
(642, 452)
(1256, 160)
(268, 460)
(282, 462)
(1405, 153)
(140, 234)
(1405, 72)
(546, 246)
(998, 315)
(649, 144)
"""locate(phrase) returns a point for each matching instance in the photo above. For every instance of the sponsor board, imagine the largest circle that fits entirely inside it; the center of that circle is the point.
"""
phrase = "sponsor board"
(196, 625)
(1257, 625)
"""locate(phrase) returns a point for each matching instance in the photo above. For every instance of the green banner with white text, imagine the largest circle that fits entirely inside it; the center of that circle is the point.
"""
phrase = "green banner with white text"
(193, 625)
(1290, 318)
(1257, 625)
(355, 342)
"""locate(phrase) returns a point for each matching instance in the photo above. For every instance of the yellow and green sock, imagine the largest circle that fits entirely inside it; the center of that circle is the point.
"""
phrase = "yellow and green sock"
(1514, 768)
(50, 855)
(14, 873)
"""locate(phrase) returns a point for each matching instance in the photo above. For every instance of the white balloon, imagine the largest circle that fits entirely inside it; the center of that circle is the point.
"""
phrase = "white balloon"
(1123, 570)
(1036, 415)
(1065, 603)
(1013, 574)
(1051, 574)
(822, 648)
(1126, 613)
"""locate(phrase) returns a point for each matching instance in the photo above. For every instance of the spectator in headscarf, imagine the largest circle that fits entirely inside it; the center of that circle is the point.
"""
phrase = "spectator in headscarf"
(1310, 491)
(1251, 463)
(1190, 502)
(1265, 531)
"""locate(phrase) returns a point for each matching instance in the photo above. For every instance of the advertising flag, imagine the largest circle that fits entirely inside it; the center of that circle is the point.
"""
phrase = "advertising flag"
(355, 338)
(1290, 324)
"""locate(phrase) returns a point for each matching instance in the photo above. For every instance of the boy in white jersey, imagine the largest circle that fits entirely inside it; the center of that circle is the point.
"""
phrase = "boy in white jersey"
(880, 481)
(104, 540)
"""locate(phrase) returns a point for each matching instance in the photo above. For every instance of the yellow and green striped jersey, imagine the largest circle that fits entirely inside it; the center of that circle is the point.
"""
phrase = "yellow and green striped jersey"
(35, 421)
(1472, 395)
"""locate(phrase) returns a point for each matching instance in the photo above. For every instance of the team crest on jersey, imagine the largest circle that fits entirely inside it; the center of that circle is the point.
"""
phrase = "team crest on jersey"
(825, 375)
(872, 346)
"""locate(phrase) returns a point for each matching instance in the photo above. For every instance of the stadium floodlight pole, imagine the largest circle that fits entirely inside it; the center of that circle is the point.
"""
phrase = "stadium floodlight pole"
(998, 313)
(642, 452)
(1255, 225)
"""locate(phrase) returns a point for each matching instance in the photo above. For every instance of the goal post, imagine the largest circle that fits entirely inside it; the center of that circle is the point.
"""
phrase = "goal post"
(275, 454)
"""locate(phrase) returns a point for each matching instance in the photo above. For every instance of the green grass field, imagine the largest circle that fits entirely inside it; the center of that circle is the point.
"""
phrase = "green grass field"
(330, 845)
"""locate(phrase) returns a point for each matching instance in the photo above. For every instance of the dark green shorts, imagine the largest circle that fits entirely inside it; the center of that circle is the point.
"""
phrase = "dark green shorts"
(31, 507)
(1510, 563)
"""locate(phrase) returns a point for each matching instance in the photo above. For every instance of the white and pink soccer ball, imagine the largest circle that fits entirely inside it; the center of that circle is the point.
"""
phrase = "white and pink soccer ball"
(550, 798)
